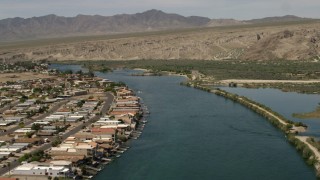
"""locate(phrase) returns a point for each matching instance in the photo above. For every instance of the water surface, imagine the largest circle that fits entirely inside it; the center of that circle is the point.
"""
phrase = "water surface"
(192, 134)
(285, 103)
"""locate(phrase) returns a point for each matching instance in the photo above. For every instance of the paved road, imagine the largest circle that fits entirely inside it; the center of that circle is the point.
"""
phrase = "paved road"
(46, 146)
(51, 110)
(95, 118)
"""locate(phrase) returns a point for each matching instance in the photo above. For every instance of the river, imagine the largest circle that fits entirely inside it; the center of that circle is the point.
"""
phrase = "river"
(192, 134)
(285, 103)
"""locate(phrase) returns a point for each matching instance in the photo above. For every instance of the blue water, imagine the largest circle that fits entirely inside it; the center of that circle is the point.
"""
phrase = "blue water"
(193, 134)
(285, 103)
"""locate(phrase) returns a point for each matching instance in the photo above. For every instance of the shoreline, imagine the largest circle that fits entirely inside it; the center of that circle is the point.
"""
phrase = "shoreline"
(274, 118)
(165, 73)
(286, 126)
(290, 128)
(258, 81)
(134, 134)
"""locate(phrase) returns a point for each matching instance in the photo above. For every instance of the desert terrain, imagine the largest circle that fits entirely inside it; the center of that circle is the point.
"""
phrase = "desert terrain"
(24, 76)
(270, 41)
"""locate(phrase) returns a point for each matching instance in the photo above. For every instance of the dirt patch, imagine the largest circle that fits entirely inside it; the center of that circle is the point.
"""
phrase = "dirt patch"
(22, 76)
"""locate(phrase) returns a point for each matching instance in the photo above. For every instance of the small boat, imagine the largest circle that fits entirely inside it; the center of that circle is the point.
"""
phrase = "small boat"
(106, 159)
(118, 156)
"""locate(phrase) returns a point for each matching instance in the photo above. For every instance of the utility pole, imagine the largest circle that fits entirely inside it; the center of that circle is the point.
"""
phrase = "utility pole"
(9, 167)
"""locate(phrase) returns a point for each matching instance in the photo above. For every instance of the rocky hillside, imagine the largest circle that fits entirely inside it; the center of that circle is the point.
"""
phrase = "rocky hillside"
(297, 41)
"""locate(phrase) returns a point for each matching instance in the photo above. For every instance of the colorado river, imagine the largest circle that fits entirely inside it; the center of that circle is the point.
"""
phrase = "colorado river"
(192, 134)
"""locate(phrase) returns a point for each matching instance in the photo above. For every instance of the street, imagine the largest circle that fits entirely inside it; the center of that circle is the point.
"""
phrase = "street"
(46, 146)
(53, 109)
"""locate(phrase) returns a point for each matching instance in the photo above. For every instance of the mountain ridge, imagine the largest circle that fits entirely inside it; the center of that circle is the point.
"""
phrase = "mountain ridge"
(51, 25)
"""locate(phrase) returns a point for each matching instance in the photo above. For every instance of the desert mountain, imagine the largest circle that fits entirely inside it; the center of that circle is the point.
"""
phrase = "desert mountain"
(58, 26)
(273, 39)
(50, 26)
(287, 18)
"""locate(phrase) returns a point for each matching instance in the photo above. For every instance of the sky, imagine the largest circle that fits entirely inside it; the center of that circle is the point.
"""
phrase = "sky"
(236, 9)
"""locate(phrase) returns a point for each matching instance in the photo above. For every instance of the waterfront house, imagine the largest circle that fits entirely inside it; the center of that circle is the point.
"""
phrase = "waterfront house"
(126, 118)
(103, 122)
(75, 159)
(41, 169)
(115, 112)
(127, 98)
(123, 91)
(83, 136)
(70, 147)
(106, 134)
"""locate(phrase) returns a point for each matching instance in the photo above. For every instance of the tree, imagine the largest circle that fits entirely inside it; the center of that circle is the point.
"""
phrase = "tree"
(56, 142)
(36, 127)
(90, 74)
(29, 134)
(23, 98)
(79, 72)
(69, 71)
(21, 125)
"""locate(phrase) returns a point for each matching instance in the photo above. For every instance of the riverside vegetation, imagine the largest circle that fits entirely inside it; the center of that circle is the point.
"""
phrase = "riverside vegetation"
(215, 71)
(290, 128)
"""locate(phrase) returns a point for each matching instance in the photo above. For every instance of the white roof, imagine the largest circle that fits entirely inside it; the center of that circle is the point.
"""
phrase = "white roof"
(123, 125)
(5, 153)
(110, 126)
(61, 163)
(26, 167)
(58, 149)
(71, 150)
(29, 166)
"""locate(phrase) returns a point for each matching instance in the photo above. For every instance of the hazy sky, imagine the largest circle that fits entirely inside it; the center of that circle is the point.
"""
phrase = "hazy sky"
(237, 9)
